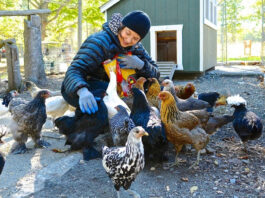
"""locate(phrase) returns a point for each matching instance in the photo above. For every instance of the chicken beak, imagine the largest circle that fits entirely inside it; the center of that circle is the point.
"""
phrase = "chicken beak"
(145, 134)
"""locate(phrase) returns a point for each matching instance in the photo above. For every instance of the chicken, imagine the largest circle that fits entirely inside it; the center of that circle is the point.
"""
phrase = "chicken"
(203, 116)
(184, 105)
(2, 163)
(8, 97)
(140, 83)
(112, 99)
(216, 122)
(56, 106)
(212, 98)
(82, 129)
(123, 164)
(246, 123)
(34, 89)
(143, 115)
(6, 100)
(184, 92)
(120, 126)
(27, 120)
(152, 93)
(181, 127)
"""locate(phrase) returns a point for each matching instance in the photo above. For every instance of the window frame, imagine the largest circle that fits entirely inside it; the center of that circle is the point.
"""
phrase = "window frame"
(210, 13)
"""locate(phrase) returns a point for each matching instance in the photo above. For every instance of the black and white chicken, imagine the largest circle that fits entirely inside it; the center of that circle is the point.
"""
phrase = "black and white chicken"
(6, 100)
(120, 126)
(246, 123)
(27, 120)
(123, 164)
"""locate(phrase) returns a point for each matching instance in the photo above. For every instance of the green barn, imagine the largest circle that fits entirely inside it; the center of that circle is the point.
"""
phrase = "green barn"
(183, 35)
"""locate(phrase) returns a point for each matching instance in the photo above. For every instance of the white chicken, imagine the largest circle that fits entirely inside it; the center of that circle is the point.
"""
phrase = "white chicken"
(112, 99)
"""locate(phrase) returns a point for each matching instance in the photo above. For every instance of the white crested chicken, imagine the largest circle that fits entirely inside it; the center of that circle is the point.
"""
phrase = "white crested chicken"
(112, 98)
(184, 105)
(247, 124)
(181, 127)
(27, 120)
(123, 164)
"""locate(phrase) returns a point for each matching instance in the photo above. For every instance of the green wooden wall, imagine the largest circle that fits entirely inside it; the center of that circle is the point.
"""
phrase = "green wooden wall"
(170, 12)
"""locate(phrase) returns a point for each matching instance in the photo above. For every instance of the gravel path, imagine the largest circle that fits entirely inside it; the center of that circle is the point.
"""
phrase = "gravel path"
(224, 172)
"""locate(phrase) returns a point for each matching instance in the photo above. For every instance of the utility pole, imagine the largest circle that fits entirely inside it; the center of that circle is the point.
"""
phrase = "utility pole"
(79, 23)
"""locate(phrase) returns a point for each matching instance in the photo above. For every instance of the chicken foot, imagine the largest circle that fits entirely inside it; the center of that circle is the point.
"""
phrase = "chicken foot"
(171, 164)
(20, 148)
(197, 161)
(42, 144)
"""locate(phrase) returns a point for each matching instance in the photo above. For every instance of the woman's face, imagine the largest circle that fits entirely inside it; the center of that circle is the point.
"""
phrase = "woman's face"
(128, 37)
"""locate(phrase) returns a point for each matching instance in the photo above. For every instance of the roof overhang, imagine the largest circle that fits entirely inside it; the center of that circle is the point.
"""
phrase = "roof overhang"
(107, 5)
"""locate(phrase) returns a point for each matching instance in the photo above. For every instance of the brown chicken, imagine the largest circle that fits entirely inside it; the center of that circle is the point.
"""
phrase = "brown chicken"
(140, 83)
(152, 93)
(184, 92)
(181, 127)
(184, 105)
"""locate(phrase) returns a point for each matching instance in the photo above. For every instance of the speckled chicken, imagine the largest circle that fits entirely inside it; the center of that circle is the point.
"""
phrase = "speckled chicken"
(143, 115)
(181, 127)
(184, 92)
(246, 123)
(123, 164)
(184, 105)
(27, 120)
(120, 126)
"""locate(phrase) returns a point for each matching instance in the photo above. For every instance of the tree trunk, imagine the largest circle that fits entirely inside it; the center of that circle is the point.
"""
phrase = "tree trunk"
(13, 66)
(33, 58)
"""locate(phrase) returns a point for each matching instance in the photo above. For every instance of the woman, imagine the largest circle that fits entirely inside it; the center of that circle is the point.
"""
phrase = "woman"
(118, 36)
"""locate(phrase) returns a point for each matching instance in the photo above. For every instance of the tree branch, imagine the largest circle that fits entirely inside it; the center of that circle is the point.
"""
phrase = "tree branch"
(58, 11)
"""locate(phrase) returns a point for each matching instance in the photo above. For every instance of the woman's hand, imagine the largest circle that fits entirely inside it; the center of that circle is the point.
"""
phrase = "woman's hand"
(130, 62)
(87, 101)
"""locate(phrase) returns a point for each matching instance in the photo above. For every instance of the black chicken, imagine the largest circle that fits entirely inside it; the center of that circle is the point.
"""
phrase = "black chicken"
(246, 123)
(210, 97)
(27, 120)
(2, 163)
(120, 126)
(123, 164)
(81, 130)
(9, 96)
(143, 115)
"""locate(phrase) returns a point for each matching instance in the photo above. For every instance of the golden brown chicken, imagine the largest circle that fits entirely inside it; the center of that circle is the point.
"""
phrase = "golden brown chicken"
(181, 127)
(184, 92)
(152, 93)
(140, 83)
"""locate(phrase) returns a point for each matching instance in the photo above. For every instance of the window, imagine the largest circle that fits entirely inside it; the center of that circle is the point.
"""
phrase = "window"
(210, 13)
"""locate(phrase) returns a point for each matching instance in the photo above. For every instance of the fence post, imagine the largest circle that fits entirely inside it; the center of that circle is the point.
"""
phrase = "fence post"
(13, 66)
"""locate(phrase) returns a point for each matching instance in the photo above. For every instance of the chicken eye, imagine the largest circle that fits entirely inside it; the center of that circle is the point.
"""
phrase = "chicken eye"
(137, 131)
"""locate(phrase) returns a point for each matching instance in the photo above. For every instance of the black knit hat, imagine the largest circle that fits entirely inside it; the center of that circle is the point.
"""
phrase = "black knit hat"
(137, 21)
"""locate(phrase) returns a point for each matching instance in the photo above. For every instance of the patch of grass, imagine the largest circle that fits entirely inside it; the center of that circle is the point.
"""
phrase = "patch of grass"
(250, 58)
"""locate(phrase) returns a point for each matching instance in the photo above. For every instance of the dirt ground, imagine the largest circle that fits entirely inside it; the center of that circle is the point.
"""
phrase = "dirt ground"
(226, 171)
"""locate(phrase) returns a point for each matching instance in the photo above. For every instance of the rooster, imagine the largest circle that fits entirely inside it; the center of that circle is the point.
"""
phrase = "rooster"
(246, 123)
(181, 127)
(143, 115)
(120, 126)
(184, 92)
(82, 129)
(27, 120)
(123, 164)
(184, 105)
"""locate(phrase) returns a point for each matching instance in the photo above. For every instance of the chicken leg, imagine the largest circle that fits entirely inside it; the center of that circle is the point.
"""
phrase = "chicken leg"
(42, 144)
(20, 148)
(197, 161)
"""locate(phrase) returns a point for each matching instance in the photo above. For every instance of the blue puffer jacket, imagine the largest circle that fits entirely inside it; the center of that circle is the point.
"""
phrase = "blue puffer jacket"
(88, 62)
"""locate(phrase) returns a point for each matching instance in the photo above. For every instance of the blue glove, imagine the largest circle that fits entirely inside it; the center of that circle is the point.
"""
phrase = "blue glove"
(87, 101)
(130, 62)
